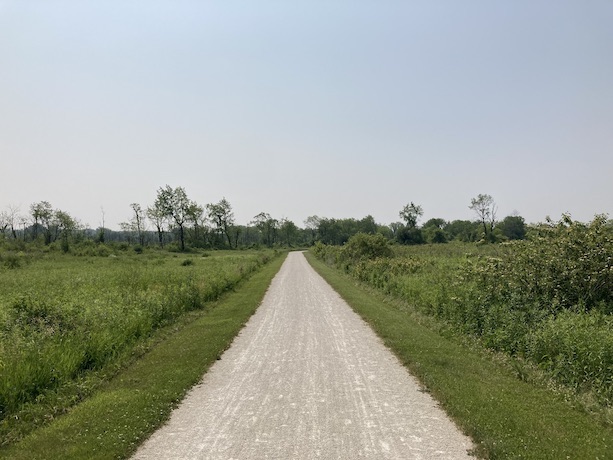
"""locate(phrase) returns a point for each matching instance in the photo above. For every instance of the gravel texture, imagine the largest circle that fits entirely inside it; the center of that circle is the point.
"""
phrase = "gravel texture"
(306, 378)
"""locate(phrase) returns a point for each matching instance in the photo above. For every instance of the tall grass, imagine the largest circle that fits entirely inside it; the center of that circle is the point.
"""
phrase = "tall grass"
(548, 300)
(63, 316)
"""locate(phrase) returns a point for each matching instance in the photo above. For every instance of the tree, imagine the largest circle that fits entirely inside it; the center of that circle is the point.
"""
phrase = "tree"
(408, 235)
(367, 225)
(195, 215)
(222, 217)
(411, 214)
(176, 206)
(395, 227)
(362, 246)
(485, 208)
(513, 227)
(4, 222)
(433, 230)
(463, 230)
(136, 225)
(157, 215)
(12, 217)
(312, 224)
(289, 230)
(267, 227)
(435, 222)
(102, 230)
(42, 213)
(138, 222)
(64, 226)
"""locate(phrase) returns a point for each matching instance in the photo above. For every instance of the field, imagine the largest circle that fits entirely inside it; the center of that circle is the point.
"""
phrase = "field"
(546, 303)
(68, 323)
(490, 397)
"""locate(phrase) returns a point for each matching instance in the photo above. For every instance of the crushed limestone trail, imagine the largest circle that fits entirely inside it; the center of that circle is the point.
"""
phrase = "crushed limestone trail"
(306, 378)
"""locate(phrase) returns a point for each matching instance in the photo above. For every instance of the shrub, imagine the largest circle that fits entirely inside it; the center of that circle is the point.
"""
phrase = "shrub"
(567, 265)
(364, 246)
(10, 260)
(578, 349)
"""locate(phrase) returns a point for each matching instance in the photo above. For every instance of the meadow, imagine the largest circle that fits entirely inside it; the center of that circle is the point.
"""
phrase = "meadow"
(69, 322)
(547, 302)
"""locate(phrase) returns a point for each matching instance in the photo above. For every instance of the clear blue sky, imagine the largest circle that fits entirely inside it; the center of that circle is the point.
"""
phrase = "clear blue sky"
(334, 108)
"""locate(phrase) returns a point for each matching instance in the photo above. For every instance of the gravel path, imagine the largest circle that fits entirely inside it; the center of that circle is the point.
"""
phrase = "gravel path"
(305, 379)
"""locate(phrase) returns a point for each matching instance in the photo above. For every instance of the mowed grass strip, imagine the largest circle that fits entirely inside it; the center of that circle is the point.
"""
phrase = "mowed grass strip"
(114, 421)
(506, 417)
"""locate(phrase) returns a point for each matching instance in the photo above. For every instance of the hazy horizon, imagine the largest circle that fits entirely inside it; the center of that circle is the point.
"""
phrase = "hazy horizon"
(341, 109)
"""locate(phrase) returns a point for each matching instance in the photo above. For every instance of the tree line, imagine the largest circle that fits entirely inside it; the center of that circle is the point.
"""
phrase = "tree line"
(174, 220)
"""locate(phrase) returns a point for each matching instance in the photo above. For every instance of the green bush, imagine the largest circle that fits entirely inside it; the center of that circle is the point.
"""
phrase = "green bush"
(11, 260)
(548, 298)
(578, 349)
(364, 246)
(567, 265)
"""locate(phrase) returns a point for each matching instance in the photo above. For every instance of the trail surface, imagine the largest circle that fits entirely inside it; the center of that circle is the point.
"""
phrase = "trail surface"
(305, 379)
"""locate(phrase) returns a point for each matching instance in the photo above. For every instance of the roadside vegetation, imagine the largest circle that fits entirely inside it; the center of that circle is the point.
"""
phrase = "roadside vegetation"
(543, 305)
(535, 301)
(68, 323)
(127, 408)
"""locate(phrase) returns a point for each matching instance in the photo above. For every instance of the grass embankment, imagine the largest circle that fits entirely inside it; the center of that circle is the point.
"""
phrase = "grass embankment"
(125, 410)
(507, 417)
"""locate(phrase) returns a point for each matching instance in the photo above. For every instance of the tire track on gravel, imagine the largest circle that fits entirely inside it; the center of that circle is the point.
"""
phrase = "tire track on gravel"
(306, 378)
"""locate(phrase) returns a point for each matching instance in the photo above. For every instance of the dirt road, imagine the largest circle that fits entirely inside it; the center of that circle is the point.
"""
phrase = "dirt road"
(305, 379)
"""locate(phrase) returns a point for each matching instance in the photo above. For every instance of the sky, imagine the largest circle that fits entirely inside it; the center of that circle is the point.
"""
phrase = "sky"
(331, 108)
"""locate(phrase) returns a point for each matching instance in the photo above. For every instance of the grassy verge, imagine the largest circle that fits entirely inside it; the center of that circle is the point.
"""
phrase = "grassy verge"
(113, 422)
(69, 323)
(507, 418)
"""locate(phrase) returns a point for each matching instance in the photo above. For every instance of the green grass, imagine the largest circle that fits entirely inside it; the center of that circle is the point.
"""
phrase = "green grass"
(507, 417)
(122, 413)
(68, 323)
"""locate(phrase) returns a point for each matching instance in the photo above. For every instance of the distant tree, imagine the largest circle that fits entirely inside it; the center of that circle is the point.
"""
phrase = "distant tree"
(362, 246)
(63, 228)
(13, 218)
(485, 208)
(513, 227)
(408, 235)
(336, 231)
(157, 216)
(312, 224)
(4, 222)
(138, 222)
(137, 225)
(42, 213)
(395, 227)
(102, 230)
(463, 230)
(433, 230)
(128, 230)
(386, 231)
(195, 215)
(267, 227)
(222, 217)
(367, 225)
(435, 222)
(289, 231)
(176, 207)
(411, 214)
